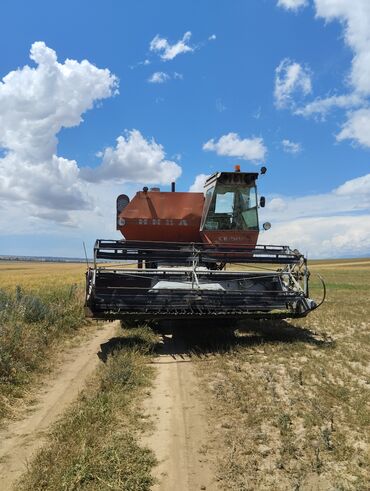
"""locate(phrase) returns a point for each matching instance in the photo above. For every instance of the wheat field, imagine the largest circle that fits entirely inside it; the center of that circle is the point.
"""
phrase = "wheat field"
(34, 274)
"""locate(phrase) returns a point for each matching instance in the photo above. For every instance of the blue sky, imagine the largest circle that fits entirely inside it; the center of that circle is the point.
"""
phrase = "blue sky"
(187, 88)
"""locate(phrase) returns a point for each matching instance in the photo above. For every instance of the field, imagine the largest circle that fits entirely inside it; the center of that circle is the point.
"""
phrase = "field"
(40, 307)
(275, 405)
(291, 401)
(40, 275)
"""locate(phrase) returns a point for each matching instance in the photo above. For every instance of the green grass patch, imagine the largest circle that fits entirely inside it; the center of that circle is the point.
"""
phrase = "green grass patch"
(95, 445)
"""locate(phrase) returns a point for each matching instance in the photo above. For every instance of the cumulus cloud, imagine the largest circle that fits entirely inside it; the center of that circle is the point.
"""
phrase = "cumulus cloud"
(35, 104)
(292, 4)
(134, 159)
(158, 78)
(232, 145)
(291, 80)
(331, 224)
(198, 184)
(168, 51)
(212, 37)
(291, 147)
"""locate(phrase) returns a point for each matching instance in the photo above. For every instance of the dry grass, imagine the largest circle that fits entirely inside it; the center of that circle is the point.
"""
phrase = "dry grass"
(291, 401)
(95, 445)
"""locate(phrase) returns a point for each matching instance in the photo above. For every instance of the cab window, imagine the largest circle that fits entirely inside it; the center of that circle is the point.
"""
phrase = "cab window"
(232, 208)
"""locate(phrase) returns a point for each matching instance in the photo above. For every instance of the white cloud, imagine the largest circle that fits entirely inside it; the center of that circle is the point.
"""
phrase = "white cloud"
(292, 4)
(145, 62)
(134, 159)
(323, 106)
(291, 147)
(332, 224)
(198, 184)
(169, 51)
(357, 127)
(158, 78)
(291, 80)
(325, 237)
(356, 188)
(162, 77)
(213, 37)
(50, 191)
(352, 196)
(355, 16)
(276, 204)
(232, 145)
(35, 104)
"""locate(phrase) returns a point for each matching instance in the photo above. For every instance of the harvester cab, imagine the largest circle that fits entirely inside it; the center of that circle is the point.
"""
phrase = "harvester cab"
(230, 213)
(189, 255)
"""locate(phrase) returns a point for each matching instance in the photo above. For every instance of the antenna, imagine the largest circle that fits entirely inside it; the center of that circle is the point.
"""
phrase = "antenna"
(87, 261)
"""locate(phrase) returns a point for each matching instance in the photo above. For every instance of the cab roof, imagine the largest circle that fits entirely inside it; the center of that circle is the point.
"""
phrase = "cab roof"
(232, 177)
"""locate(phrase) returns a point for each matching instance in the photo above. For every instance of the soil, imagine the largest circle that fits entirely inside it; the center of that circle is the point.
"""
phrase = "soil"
(22, 438)
(180, 433)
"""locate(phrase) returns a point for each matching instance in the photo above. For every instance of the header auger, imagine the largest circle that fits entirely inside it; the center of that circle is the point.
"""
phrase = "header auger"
(195, 256)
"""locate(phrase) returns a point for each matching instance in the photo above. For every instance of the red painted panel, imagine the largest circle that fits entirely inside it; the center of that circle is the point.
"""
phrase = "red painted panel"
(165, 217)
(230, 238)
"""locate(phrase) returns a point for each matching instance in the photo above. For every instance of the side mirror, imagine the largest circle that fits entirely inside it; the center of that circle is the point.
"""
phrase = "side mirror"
(266, 226)
(262, 201)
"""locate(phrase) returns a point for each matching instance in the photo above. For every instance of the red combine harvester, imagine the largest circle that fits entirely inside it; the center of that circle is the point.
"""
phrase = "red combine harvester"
(195, 256)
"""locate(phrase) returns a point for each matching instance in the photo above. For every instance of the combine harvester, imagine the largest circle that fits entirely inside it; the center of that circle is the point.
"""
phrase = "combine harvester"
(195, 256)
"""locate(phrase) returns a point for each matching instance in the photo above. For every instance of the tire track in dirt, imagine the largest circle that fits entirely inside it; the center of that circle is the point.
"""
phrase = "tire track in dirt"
(180, 434)
(22, 438)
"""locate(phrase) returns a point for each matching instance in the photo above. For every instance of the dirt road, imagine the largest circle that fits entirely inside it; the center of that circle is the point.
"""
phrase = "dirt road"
(22, 438)
(179, 437)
